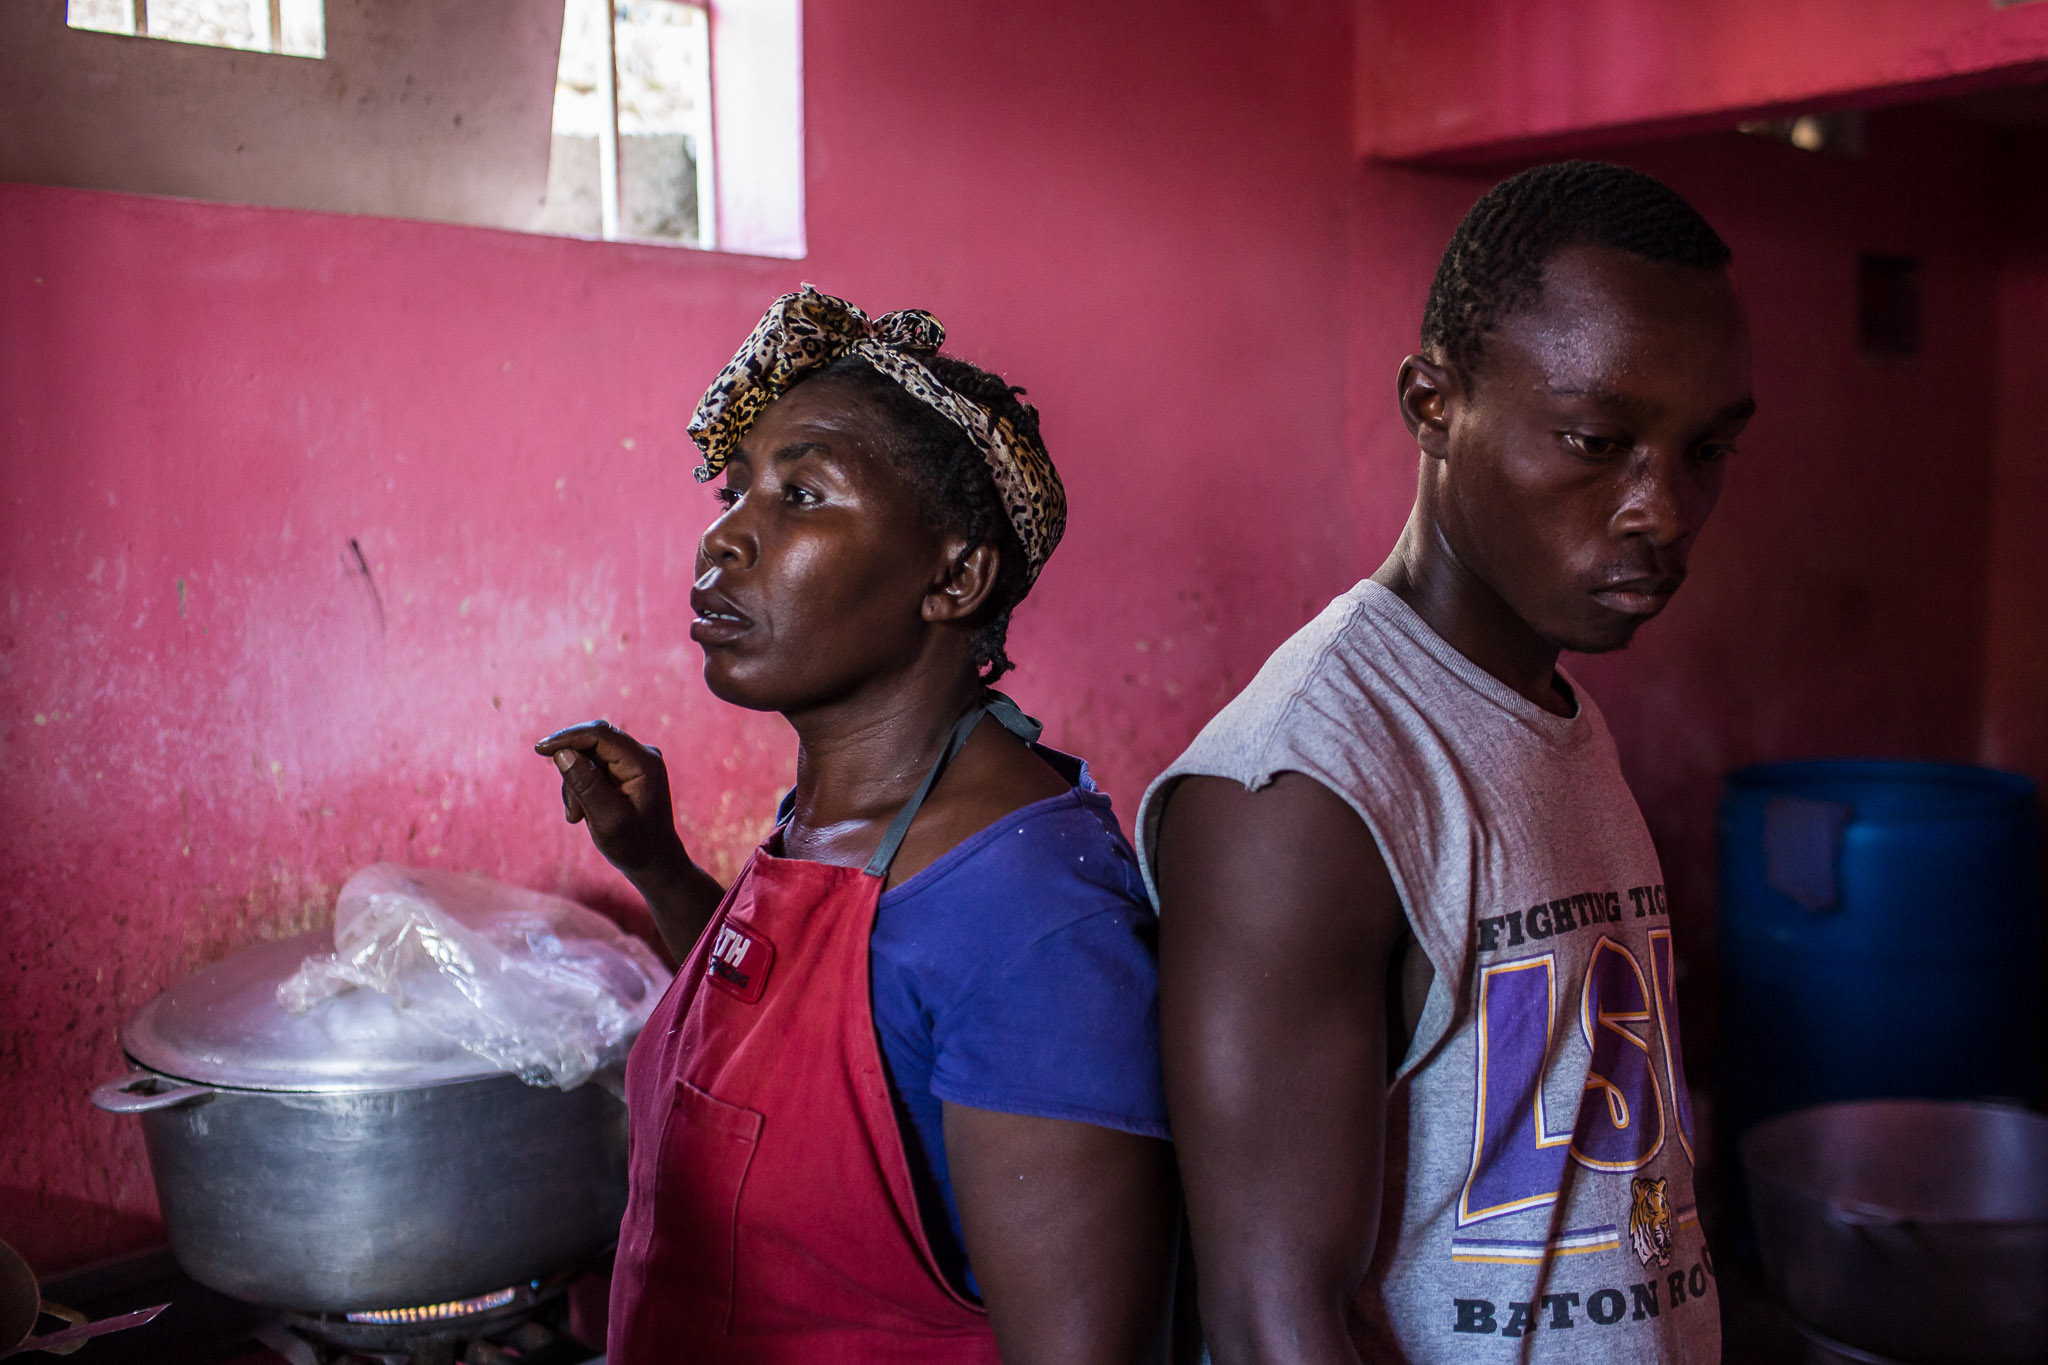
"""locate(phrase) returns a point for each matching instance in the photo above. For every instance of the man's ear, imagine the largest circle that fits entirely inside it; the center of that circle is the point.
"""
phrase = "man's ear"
(965, 581)
(1424, 391)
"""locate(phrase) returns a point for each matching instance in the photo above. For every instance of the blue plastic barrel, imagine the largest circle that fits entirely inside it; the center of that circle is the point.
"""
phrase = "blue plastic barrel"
(1880, 936)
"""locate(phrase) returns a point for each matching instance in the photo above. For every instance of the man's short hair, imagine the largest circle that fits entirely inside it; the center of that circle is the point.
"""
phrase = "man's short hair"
(1494, 263)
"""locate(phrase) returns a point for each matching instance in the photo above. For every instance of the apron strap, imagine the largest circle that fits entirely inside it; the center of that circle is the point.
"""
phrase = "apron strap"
(1007, 714)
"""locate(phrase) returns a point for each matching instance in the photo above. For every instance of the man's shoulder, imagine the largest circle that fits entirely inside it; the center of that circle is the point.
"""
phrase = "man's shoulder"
(1318, 706)
(1328, 688)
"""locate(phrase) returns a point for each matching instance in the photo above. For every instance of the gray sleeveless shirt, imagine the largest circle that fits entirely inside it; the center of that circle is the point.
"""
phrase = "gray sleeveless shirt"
(1539, 1158)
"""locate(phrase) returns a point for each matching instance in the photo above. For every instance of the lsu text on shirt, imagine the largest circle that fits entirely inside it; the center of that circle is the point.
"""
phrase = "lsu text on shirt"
(1539, 1158)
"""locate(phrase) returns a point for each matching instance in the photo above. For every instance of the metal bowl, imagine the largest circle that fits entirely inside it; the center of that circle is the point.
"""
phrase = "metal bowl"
(1912, 1229)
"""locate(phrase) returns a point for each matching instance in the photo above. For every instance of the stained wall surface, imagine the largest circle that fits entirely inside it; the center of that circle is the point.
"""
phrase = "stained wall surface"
(315, 523)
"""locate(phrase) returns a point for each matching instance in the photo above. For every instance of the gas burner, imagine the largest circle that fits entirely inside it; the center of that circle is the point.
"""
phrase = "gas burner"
(524, 1324)
(518, 1325)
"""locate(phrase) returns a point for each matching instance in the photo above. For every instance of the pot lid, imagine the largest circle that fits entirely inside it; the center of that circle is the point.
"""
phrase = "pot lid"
(223, 1026)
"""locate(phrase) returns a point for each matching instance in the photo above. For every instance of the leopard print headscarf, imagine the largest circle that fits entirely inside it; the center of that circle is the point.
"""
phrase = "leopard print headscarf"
(808, 330)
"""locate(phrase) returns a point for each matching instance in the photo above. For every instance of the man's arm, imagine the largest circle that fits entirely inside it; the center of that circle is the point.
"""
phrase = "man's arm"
(1071, 1229)
(1278, 923)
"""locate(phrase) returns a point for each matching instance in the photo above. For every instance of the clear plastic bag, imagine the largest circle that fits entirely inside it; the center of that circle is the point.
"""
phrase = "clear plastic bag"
(535, 984)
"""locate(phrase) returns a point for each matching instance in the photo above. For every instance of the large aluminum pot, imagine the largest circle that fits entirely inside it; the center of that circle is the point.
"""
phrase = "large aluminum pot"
(350, 1159)
(1912, 1229)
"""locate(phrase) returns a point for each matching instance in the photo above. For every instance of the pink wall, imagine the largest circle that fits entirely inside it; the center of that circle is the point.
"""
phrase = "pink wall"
(214, 714)
(1464, 74)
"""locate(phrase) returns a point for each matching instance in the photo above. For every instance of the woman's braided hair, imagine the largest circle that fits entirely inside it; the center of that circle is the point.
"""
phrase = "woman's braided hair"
(1494, 263)
(952, 479)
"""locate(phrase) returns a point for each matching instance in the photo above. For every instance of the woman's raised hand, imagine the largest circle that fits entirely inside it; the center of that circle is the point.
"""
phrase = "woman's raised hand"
(618, 787)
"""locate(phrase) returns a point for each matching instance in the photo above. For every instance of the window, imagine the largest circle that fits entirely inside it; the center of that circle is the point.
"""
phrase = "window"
(632, 146)
(667, 121)
(292, 28)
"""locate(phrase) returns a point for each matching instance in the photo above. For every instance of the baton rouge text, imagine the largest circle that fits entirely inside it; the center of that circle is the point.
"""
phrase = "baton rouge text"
(1602, 1307)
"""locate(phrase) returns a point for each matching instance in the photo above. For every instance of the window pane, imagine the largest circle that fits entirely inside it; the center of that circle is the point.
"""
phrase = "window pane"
(217, 23)
(104, 16)
(244, 24)
(662, 66)
(305, 28)
(572, 196)
(664, 83)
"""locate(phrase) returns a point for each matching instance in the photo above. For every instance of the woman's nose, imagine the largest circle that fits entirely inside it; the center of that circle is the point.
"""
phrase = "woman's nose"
(728, 541)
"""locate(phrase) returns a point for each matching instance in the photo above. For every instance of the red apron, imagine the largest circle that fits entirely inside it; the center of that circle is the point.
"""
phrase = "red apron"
(772, 1216)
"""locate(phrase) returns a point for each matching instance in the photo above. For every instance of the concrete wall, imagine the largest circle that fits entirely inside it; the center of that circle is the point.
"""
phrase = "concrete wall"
(314, 523)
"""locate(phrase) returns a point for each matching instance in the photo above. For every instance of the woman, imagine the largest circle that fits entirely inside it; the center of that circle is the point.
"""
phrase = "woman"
(902, 1102)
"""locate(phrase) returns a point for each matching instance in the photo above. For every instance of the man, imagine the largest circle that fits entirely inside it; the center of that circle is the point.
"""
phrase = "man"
(1421, 1049)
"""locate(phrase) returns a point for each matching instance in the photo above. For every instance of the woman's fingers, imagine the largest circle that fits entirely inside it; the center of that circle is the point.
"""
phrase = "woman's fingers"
(604, 743)
(617, 788)
(586, 736)
(572, 809)
(593, 791)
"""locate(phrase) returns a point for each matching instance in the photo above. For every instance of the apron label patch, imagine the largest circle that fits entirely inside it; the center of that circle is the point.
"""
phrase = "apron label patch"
(739, 963)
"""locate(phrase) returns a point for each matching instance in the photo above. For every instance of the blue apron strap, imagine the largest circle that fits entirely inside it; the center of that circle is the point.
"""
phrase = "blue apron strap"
(994, 704)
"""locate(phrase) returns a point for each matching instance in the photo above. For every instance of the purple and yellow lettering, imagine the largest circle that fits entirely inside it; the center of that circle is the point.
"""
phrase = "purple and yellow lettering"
(1664, 979)
(1517, 1162)
(1625, 1132)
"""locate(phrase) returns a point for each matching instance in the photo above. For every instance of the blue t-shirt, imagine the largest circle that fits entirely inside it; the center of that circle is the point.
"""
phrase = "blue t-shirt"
(1018, 973)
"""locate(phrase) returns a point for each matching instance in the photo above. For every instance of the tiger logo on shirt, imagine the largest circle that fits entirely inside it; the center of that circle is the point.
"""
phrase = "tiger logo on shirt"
(1649, 1220)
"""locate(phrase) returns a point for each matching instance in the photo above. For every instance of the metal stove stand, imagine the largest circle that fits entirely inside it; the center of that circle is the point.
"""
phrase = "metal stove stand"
(528, 1325)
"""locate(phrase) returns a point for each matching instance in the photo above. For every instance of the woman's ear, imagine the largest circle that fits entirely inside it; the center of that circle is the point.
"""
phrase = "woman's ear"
(965, 580)
(1424, 391)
